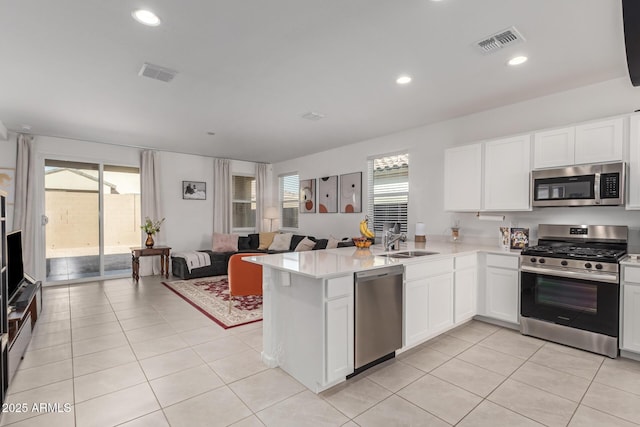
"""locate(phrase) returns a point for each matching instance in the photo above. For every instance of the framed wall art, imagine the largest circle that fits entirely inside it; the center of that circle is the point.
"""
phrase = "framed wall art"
(328, 194)
(194, 190)
(351, 192)
(307, 195)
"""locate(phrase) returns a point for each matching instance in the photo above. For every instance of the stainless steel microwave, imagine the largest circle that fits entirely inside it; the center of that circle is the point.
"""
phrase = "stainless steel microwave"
(583, 185)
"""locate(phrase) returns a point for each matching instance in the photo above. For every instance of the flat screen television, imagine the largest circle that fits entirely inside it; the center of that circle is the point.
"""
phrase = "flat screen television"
(15, 269)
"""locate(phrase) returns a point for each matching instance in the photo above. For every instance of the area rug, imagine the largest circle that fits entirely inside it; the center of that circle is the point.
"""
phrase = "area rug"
(210, 295)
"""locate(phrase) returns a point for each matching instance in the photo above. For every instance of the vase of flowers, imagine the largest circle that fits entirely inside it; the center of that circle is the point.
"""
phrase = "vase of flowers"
(151, 227)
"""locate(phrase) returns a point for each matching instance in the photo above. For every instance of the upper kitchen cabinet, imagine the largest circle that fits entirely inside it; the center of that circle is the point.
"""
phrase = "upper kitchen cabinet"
(554, 148)
(507, 166)
(600, 142)
(463, 178)
(633, 177)
(595, 142)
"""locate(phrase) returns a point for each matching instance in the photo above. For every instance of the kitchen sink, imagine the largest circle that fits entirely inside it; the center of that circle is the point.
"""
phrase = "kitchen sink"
(409, 254)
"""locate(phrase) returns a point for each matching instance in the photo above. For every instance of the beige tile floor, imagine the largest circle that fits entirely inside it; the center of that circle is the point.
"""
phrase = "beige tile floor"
(121, 354)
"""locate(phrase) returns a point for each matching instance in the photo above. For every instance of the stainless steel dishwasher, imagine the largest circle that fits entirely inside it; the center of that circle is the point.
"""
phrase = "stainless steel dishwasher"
(378, 315)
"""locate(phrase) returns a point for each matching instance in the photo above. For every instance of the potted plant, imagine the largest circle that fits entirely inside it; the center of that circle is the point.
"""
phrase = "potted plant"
(151, 227)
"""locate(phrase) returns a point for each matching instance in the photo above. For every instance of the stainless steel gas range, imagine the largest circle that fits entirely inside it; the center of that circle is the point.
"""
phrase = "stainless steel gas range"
(570, 286)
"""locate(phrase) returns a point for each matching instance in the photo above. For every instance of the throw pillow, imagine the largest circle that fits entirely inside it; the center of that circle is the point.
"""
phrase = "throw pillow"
(254, 241)
(333, 243)
(225, 242)
(305, 244)
(244, 243)
(265, 240)
(320, 244)
(281, 242)
(295, 240)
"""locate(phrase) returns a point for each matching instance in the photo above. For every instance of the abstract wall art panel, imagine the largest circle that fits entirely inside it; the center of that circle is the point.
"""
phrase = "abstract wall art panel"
(307, 195)
(328, 194)
(351, 192)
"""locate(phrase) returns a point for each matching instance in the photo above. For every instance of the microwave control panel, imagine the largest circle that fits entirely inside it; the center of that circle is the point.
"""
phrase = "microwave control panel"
(609, 185)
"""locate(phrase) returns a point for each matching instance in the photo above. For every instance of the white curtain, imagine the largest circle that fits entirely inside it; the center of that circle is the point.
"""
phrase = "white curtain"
(221, 195)
(23, 214)
(151, 205)
(262, 198)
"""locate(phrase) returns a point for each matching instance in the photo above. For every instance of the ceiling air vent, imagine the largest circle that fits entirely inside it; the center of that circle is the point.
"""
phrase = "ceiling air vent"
(313, 116)
(499, 40)
(157, 72)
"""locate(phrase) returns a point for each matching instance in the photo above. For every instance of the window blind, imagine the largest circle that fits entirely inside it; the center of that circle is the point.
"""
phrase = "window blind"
(289, 200)
(244, 202)
(388, 201)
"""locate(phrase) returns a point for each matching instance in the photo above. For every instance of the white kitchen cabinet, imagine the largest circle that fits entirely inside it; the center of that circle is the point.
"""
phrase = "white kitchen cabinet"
(630, 309)
(339, 347)
(465, 288)
(633, 177)
(428, 300)
(463, 178)
(440, 302)
(600, 141)
(554, 148)
(416, 321)
(502, 287)
(596, 142)
(507, 167)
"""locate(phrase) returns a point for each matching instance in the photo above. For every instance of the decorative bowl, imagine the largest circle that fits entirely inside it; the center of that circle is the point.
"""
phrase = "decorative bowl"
(361, 242)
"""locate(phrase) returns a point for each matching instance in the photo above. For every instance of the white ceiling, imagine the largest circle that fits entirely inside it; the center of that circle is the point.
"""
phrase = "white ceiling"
(248, 69)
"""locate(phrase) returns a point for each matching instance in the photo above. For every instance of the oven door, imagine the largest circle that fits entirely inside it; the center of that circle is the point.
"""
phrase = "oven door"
(579, 303)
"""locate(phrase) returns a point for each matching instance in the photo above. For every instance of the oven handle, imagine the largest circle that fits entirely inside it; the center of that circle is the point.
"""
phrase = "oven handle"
(608, 278)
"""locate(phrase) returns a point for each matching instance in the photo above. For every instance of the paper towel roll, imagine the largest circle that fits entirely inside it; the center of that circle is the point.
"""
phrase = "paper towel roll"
(421, 229)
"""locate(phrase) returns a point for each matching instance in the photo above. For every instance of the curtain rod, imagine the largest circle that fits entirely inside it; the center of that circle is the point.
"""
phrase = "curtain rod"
(141, 147)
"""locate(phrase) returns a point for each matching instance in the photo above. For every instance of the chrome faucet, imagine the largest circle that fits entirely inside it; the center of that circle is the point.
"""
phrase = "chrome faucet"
(389, 239)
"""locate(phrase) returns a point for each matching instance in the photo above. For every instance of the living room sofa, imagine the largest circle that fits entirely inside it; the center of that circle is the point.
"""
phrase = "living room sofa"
(246, 244)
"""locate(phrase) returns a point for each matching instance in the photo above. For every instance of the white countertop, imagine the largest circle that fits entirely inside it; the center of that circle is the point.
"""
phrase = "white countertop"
(633, 260)
(322, 264)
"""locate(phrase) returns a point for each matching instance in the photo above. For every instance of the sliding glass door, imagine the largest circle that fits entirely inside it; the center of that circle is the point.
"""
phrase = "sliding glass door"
(93, 218)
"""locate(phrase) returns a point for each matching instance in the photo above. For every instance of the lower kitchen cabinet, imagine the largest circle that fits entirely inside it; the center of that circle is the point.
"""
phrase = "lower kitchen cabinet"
(465, 288)
(340, 328)
(440, 302)
(339, 346)
(428, 300)
(502, 287)
(631, 309)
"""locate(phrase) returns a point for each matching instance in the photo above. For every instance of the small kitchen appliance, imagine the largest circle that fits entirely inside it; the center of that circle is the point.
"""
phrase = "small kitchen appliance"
(583, 185)
(570, 286)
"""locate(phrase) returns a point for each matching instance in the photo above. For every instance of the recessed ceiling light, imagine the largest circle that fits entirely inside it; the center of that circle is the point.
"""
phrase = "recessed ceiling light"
(517, 60)
(146, 17)
(403, 80)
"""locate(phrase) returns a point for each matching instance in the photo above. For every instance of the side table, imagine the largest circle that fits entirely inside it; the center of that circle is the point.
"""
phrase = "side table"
(163, 251)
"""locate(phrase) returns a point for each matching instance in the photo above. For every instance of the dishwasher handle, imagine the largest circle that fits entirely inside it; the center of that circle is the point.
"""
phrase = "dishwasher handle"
(379, 272)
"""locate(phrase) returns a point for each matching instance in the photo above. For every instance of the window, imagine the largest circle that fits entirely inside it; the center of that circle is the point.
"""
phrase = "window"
(289, 200)
(244, 202)
(93, 213)
(389, 191)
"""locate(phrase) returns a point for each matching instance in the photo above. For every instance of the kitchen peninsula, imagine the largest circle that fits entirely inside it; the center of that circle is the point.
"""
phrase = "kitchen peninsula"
(308, 302)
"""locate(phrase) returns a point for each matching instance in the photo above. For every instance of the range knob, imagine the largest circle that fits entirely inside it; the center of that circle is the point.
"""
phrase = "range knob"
(564, 263)
(541, 261)
(599, 266)
(587, 265)
(532, 260)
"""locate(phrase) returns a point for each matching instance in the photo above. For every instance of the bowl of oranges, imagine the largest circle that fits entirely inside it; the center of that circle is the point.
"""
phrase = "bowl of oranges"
(361, 242)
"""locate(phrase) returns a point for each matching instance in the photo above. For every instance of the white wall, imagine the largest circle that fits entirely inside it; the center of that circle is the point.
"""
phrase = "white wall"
(426, 149)
(188, 224)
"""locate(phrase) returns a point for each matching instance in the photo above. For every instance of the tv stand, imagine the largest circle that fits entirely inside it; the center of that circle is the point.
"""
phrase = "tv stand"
(22, 320)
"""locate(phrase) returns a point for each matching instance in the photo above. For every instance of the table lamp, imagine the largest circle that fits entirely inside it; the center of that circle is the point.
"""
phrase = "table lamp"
(271, 213)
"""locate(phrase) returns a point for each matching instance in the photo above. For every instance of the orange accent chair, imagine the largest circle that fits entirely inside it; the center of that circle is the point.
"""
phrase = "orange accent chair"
(245, 278)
